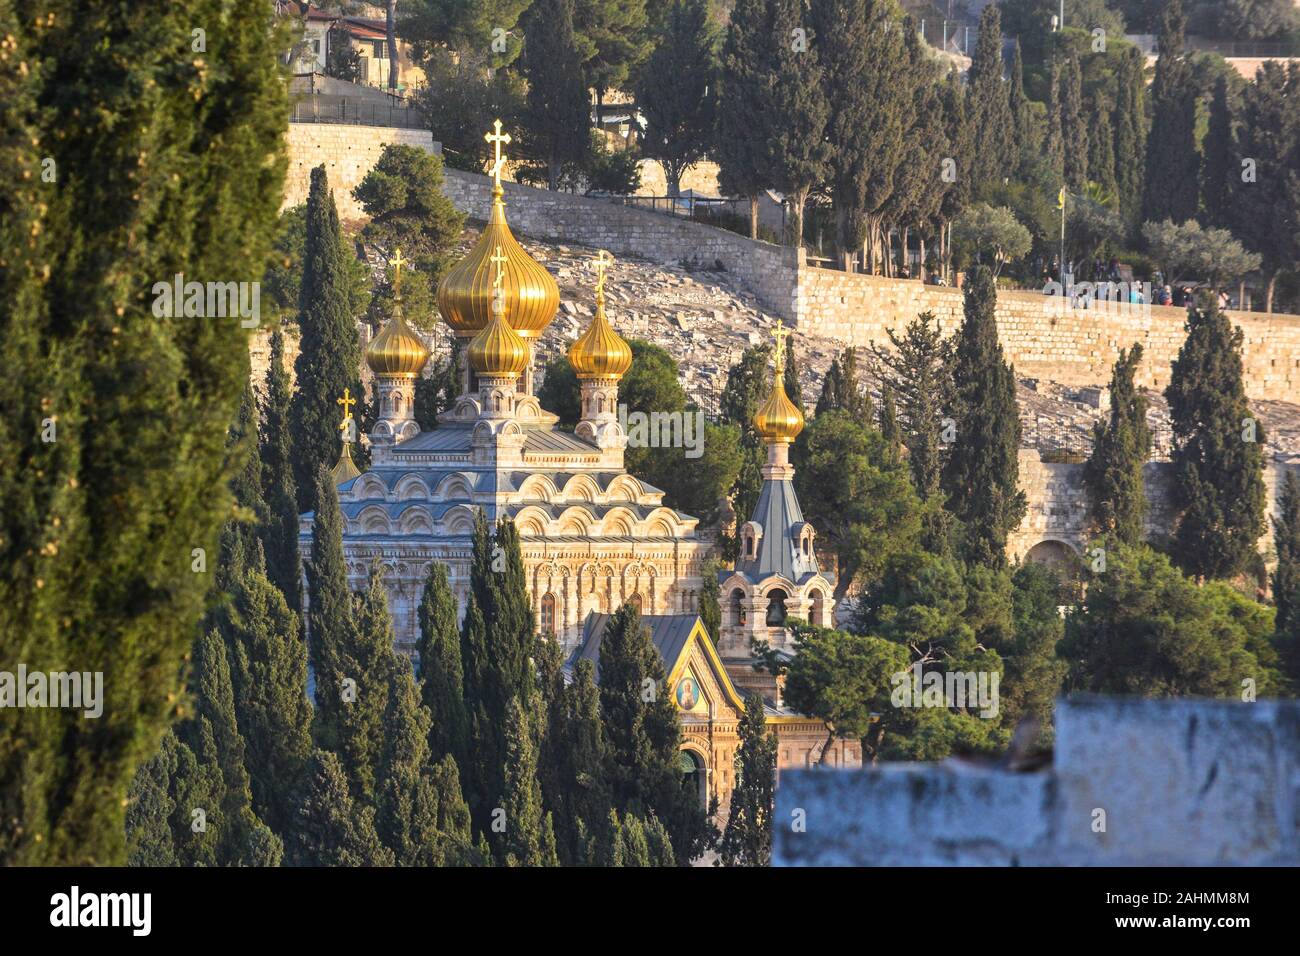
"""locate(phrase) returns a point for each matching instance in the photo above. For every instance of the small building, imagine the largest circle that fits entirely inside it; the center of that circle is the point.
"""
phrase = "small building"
(710, 706)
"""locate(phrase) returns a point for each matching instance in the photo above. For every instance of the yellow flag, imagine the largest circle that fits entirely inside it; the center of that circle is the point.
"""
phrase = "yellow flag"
(1060, 199)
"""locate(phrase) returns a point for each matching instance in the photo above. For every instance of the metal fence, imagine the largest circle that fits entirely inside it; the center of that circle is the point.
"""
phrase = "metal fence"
(699, 208)
(355, 112)
(954, 36)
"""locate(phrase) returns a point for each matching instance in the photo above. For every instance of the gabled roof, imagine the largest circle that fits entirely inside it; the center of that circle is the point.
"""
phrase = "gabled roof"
(672, 636)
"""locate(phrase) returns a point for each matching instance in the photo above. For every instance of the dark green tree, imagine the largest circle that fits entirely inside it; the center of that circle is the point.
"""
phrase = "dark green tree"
(331, 828)
(441, 675)
(1173, 160)
(1129, 121)
(555, 116)
(529, 838)
(329, 357)
(676, 91)
(122, 164)
(1074, 127)
(994, 155)
(1218, 456)
(460, 26)
(742, 148)
(747, 839)
(1022, 125)
(1219, 167)
(279, 488)
(710, 601)
(329, 611)
(1054, 141)
(643, 735)
(148, 815)
(981, 474)
(614, 37)
(1286, 576)
(1120, 448)
(1101, 146)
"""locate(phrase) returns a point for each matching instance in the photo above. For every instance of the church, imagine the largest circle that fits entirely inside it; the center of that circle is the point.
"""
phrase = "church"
(593, 536)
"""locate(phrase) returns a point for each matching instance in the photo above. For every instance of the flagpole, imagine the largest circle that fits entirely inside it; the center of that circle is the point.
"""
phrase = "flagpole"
(1061, 203)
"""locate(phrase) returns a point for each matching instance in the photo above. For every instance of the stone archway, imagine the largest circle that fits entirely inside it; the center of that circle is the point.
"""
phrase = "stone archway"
(1065, 561)
(696, 773)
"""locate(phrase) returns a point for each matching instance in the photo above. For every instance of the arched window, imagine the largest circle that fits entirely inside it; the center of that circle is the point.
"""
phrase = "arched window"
(737, 609)
(749, 545)
(776, 607)
(635, 601)
(547, 621)
(815, 616)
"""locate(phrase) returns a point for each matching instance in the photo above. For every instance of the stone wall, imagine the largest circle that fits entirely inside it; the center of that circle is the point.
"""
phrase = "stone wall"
(1058, 502)
(1133, 783)
(769, 271)
(348, 153)
(1041, 336)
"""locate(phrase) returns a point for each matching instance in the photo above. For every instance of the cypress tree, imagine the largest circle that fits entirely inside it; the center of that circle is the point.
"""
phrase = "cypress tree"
(747, 840)
(1286, 576)
(406, 818)
(329, 357)
(643, 736)
(148, 815)
(197, 791)
(1101, 146)
(980, 476)
(1220, 152)
(441, 675)
(832, 394)
(1018, 103)
(268, 665)
(994, 155)
(556, 121)
(331, 829)
(279, 488)
(1218, 449)
(1054, 143)
(1130, 132)
(329, 612)
(742, 146)
(454, 823)
(710, 600)
(1074, 130)
(1172, 159)
(798, 111)
(790, 377)
(1120, 449)
(889, 429)
(241, 534)
(675, 93)
(122, 164)
(746, 388)
(529, 838)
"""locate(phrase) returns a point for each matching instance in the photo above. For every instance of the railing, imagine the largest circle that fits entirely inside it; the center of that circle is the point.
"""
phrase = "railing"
(688, 207)
(954, 36)
(354, 112)
(1149, 44)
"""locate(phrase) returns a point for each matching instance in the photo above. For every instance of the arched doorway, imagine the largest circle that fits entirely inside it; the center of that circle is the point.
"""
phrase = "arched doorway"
(695, 774)
(776, 599)
(1062, 559)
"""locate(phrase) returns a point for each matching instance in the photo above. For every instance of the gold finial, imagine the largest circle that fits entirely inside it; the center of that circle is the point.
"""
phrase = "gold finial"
(497, 139)
(602, 262)
(780, 333)
(499, 260)
(398, 262)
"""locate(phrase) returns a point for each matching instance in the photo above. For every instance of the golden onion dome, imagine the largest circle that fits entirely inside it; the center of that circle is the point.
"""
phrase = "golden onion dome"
(396, 350)
(778, 419)
(531, 293)
(498, 350)
(600, 352)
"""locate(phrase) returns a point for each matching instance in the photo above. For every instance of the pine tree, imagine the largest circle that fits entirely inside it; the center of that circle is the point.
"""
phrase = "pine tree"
(615, 37)
(1218, 449)
(441, 676)
(1130, 133)
(268, 669)
(122, 164)
(1074, 130)
(798, 111)
(331, 829)
(556, 121)
(994, 156)
(747, 840)
(980, 476)
(675, 94)
(279, 489)
(1172, 159)
(1120, 449)
(329, 612)
(329, 357)
(742, 146)
(643, 736)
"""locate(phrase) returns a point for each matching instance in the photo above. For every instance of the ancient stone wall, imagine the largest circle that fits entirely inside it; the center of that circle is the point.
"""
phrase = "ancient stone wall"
(1042, 336)
(348, 153)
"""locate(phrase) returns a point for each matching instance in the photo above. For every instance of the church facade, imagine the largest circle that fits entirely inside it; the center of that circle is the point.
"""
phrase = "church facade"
(593, 537)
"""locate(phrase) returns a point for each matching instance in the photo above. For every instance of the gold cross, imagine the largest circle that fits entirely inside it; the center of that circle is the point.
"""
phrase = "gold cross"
(780, 333)
(602, 262)
(347, 401)
(499, 259)
(398, 262)
(497, 140)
